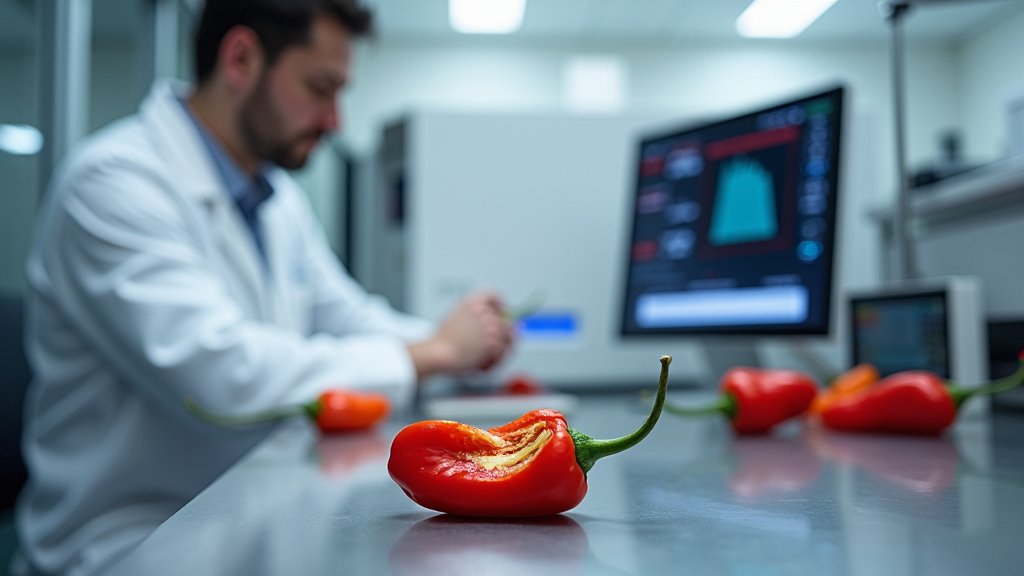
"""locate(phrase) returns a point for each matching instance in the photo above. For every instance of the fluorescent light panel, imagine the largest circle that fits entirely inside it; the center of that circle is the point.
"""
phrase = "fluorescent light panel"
(780, 18)
(486, 16)
(20, 139)
(594, 83)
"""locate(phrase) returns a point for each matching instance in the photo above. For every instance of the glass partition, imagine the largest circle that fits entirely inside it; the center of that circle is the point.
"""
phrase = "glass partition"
(20, 138)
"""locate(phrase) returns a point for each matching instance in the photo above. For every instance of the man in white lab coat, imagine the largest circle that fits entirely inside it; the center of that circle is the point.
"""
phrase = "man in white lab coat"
(174, 259)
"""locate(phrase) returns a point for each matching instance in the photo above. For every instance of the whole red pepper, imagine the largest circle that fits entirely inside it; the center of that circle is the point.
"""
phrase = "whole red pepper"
(533, 466)
(334, 410)
(756, 399)
(909, 402)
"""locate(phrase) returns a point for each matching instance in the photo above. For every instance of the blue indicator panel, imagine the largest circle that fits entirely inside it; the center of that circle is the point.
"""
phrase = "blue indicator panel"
(549, 326)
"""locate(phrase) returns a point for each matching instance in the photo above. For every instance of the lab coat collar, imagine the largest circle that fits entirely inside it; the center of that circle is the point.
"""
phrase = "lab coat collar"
(180, 146)
(179, 141)
(246, 190)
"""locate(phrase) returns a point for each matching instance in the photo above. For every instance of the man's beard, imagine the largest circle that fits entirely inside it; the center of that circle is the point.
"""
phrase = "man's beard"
(261, 127)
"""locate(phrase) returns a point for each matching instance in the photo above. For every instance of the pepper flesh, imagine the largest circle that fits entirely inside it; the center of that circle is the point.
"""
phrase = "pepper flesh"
(533, 466)
(909, 402)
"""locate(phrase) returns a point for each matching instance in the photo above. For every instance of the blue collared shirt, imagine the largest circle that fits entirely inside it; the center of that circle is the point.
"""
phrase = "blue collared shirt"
(248, 192)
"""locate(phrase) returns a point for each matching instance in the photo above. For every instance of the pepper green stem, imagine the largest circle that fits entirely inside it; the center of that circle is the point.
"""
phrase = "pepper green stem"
(589, 450)
(311, 409)
(726, 404)
(961, 394)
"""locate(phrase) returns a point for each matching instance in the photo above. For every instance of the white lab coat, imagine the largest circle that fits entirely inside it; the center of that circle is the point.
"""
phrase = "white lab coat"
(146, 288)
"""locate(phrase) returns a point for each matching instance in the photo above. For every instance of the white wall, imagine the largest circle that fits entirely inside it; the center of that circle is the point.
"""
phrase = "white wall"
(990, 65)
(682, 80)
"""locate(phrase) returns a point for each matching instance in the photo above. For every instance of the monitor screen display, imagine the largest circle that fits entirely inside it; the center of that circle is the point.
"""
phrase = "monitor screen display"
(901, 332)
(734, 223)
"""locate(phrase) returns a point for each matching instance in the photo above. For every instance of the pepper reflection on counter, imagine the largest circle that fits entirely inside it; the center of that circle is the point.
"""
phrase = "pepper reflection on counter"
(448, 545)
(340, 455)
(921, 465)
(769, 467)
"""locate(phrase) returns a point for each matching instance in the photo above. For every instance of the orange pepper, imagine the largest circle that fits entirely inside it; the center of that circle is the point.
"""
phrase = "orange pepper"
(853, 381)
(334, 410)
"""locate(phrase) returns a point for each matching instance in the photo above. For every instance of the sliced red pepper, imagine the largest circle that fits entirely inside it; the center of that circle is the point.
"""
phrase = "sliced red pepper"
(909, 402)
(755, 399)
(533, 466)
(334, 410)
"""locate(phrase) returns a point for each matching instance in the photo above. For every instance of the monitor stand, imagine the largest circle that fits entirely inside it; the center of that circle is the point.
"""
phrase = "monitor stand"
(725, 353)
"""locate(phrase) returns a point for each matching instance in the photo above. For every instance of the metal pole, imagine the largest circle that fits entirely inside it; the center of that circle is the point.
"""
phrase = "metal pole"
(64, 30)
(162, 16)
(906, 263)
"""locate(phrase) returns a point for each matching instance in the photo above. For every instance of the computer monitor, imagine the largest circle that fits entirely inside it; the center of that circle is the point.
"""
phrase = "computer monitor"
(733, 224)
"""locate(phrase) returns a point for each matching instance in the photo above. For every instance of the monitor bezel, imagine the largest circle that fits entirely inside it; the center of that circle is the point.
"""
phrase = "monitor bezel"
(837, 92)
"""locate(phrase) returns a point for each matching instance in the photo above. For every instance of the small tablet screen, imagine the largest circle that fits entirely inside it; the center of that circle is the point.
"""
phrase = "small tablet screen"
(902, 332)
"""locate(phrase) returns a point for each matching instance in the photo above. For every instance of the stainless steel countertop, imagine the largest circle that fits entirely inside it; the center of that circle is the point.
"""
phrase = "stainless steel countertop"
(691, 499)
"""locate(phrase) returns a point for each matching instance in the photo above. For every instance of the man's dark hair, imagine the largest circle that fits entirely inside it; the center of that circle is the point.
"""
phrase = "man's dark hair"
(278, 24)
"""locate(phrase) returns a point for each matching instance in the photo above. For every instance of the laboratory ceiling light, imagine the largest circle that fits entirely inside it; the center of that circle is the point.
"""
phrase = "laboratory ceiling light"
(486, 16)
(20, 139)
(780, 18)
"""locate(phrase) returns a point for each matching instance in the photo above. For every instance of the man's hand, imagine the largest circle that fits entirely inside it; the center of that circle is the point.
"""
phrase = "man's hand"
(474, 336)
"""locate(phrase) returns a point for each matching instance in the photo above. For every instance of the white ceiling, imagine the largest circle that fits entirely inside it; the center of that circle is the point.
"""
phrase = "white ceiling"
(597, 21)
(683, 20)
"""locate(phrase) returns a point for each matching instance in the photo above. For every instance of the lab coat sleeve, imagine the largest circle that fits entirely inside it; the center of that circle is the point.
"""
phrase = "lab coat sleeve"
(127, 261)
(340, 305)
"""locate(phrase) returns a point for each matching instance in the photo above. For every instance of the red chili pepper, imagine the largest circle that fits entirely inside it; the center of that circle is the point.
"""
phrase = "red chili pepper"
(333, 411)
(533, 466)
(755, 399)
(909, 402)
